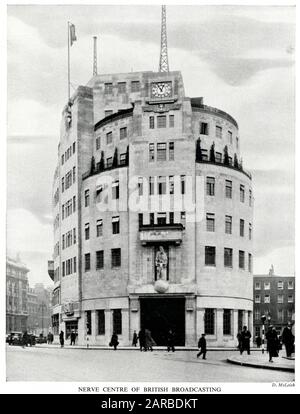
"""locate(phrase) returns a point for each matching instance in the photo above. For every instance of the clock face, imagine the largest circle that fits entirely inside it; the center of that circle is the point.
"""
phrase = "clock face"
(161, 89)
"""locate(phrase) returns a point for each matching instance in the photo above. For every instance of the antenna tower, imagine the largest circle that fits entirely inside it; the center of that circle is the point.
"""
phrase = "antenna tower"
(95, 57)
(163, 59)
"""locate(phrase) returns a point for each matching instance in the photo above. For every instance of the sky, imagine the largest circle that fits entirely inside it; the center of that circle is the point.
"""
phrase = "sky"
(239, 58)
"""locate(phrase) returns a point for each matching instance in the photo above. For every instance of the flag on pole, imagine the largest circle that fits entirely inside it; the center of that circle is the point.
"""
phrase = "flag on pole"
(73, 37)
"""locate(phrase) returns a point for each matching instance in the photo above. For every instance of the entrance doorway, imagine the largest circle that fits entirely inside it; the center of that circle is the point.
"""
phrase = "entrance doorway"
(161, 314)
(71, 326)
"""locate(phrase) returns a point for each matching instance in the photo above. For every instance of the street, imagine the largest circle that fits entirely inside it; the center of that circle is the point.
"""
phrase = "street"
(56, 364)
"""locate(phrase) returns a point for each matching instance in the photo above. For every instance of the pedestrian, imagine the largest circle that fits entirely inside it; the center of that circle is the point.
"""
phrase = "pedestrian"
(202, 346)
(24, 339)
(272, 343)
(288, 340)
(114, 341)
(245, 340)
(134, 339)
(258, 341)
(239, 339)
(149, 342)
(49, 338)
(61, 339)
(73, 338)
(170, 341)
(141, 338)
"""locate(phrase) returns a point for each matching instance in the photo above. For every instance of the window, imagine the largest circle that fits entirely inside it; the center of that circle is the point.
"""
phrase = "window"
(171, 121)
(182, 184)
(151, 152)
(250, 231)
(257, 314)
(280, 285)
(210, 186)
(237, 142)
(87, 198)
(280, 315)
(109, 162)
(279, 298)
(135, 86)
(63, 241)
(267, 286)
(257, 285)
(151, 218)
(99, 228)
(108, 88)
(87, 231)
(228, 189)
(249, 262)
(171, 184)
(75, 264)
(161, 219)
(241, 259)
(242, 227)
(267, 299)
(121, 87)
(171, 217)
(171, 151)
(227, 257)
(182, 218)
(63, 159)
(250, 198)
(290, 299)
(161, 121)
(209, 321)
(115, 190)
(115, 257)
(74, 174)
(108, 112)
(161, 152)
(257, 298)
(228, 224)
(117, 321)
(161, 185)
(74, 204)
(62, 184)
(115, 225)
(242, 193)
(218, 132)
(140, 185)
(204, 155)
(140, 218)
(230, 160)
(99, 259)
(151, 185)
(123, 158)
(218, 157)
(123, 132)
(204, 128)
(87, 262)
(289, 313)
(109, 138)
(227, 322)
(290, 284)
(88, 322)
(151, 122)
(101, 322)
(229, 137)
(210, 255)
(210, 222)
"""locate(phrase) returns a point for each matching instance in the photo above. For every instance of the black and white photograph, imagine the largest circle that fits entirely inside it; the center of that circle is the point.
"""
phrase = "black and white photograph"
(150, 197)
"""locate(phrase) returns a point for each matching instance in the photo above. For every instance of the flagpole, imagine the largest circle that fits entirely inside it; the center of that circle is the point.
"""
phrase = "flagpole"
(68, 62)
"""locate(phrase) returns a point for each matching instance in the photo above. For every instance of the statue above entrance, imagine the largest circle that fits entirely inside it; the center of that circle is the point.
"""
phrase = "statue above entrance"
(161, 261)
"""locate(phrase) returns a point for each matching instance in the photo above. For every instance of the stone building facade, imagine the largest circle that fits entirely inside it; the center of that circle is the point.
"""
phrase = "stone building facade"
(142, 167)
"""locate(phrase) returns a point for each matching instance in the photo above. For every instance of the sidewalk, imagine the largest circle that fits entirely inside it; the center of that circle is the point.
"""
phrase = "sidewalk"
(259, 360)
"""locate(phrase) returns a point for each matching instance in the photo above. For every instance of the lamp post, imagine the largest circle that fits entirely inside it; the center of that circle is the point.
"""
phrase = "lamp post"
(263, 320)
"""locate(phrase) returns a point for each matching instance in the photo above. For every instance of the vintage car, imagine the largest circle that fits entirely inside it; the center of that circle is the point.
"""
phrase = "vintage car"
(14, 338)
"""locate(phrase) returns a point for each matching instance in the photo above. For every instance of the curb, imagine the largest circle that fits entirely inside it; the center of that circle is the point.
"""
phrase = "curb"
(254, 365)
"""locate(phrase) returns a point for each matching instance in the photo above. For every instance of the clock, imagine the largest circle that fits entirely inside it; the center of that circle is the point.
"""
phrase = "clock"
(161, 89)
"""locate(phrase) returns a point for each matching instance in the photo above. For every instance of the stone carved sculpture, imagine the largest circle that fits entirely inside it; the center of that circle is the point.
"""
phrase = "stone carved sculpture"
(161, 262)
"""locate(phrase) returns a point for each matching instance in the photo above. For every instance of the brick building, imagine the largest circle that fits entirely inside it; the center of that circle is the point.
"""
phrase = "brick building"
(274, 297)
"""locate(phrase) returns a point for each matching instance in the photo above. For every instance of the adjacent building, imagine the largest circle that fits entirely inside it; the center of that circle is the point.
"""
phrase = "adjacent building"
(16, 295)
(39, 309)
(274, 297)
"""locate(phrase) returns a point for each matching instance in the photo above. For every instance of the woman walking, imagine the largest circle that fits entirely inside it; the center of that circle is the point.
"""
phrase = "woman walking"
(114, 341)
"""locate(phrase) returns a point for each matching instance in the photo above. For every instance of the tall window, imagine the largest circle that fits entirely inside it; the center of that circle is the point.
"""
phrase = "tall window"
(99, 259)
(171, 217)
(218, 132)
(228, 189)
(204, 154)
(63, 184)
(257, 286)
(123, 133)
(151, 152)
(140, 218)
(151, 185)
(267, 299)
(209, 321)
(108, 88)
(161, 219)
(161, 152)
(210, 186)
(280, 315)
(204, 128)
(290, 299)
(171, 151)
(267, 285)
(242, 193)
(257, 298)
(151, 122)
(99, 228)
(279, 298)
(117, 321)
(135, 86)
(87, 198)
(250, 198)
(257, 314)
(249, 262)
(241, 259)
(182, 184)
(121, 87)
(290, 284)
(171, 184)
(280, 285)
(210, 255)
(151, 218)
(250, 231)
(171, 121)
(109, 138)
(210, 222)
(115, 225)
(161, 121)
(74, 174)
(87, 262)
(101, 322)
(140, 185)
(87, 231)
(74, 204)
(230, 137)
(123, 158)
(161, 185)
(242, 227)
(115, 257)
(115, 190)
(227, 322)
(227, 257)
(228, 224)
(88, 322)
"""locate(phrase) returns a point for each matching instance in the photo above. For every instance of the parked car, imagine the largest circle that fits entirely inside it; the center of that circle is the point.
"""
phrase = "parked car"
(41, 339)
(14, 338)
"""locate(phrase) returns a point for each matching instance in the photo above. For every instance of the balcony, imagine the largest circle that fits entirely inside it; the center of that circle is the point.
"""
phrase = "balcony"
(51, 269)
(161, 233)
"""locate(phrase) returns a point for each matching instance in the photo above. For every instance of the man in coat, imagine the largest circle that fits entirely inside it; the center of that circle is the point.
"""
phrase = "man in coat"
(245, 340)
(202, 346)
(272, 343)
(288, 339)
(61, 339)
(73, 338)
(142, 339)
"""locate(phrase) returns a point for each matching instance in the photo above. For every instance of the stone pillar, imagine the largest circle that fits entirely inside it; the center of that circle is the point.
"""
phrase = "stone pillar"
(219, 330)
(126, 340)
(190, 321)
(235, 322)
(108, 325)
(94, 327)
(134, 317)
(200, 322)
(250, 326)
(81, 329)
(245, 318)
